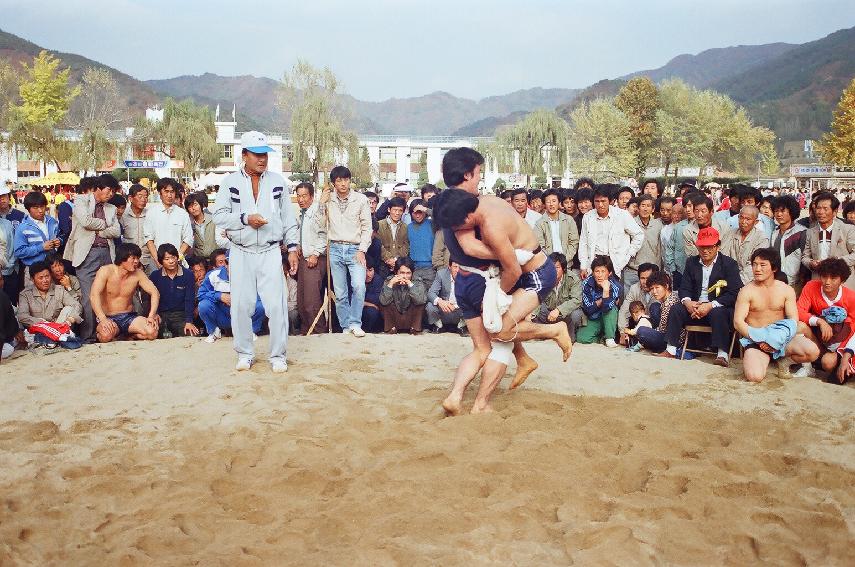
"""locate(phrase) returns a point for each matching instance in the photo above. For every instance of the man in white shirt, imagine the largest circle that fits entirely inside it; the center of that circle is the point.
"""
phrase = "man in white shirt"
(607, 231)
(165, 222)
(555, 231)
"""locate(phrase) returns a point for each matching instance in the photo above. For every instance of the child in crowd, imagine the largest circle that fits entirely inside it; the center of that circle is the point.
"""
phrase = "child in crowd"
(638, 318)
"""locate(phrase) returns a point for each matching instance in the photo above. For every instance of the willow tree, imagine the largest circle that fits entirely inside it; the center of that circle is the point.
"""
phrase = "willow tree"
(539, 140)
(639, 101)
(838, 146)
(45, 97)
(186, 133)
(310, 97)
(8, 92)
(97, 110)
(601, 143)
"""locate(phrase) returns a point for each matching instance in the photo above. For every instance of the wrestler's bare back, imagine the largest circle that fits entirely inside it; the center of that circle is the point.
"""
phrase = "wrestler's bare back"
(505, 225)
(119, 288)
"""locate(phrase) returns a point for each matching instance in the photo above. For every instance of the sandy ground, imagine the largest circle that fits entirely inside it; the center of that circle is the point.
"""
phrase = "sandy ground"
(161, 454)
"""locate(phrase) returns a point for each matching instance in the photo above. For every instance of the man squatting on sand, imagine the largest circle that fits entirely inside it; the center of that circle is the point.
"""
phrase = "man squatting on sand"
(254, 208)
(767, 316)
(112, 298)
(526, 274)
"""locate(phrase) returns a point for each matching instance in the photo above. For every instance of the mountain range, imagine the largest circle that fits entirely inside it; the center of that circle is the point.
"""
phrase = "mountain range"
(790, 88)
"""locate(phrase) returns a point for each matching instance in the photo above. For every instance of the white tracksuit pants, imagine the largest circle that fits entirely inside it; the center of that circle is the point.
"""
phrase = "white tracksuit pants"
(258, 275)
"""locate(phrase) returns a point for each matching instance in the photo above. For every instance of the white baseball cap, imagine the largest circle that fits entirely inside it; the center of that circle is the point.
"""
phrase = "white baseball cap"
(256, 142)
(4, 190)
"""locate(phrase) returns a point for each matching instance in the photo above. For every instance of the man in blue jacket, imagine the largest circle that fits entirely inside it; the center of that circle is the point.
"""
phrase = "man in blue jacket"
(37, 234)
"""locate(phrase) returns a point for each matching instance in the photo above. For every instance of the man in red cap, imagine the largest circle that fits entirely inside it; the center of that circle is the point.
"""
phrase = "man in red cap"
(708, 293)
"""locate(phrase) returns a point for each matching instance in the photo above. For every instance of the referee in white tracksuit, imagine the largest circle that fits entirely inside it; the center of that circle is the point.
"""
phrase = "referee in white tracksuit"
(254, 208)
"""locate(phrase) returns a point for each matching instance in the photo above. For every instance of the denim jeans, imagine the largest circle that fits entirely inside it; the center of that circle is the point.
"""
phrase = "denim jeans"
(348, 300)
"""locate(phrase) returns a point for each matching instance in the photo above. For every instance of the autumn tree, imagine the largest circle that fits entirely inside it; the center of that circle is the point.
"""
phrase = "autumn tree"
(600, 141)
(8, 92)
(639, 101)
(838, 146)
(97, 110)
(45, 97)
(311, 97)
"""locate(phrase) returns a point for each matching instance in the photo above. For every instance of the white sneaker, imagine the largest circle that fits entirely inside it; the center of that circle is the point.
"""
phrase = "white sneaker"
(213, 337)
(279, 365)
(243, 364)
(254, 337)
(345, 331)
(357, 332)
(806, 371)
(611, 343)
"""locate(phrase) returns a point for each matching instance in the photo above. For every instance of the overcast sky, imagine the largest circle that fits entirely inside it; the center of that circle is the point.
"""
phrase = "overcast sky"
(400, 48)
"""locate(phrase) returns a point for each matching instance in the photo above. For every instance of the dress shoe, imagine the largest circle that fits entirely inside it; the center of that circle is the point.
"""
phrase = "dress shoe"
(721, 361)
(665, 354)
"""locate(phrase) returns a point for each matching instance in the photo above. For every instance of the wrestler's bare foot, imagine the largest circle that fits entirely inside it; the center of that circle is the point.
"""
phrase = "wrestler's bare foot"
(563, 341)
(525, 366)
(478, 408)
(452, 405)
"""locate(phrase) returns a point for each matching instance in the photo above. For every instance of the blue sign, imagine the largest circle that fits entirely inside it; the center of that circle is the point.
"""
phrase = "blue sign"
(151, 164)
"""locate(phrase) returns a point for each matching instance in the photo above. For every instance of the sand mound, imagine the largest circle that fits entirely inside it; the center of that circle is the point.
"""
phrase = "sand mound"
(348, 460)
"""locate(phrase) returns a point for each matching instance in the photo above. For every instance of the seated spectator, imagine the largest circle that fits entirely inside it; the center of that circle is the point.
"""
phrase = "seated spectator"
(441, 307)
(215, 302)
(294, 322)
(564, 302)
(46, 302)
(177, 295)
(601, 294)
(638, 319)
(37, 233)
(8, 324)
(639, 291)
(61, 278)
(827, 317)
(112, 298)
(372, 316)
(403, 299)
(708, 291)
(664, 298)
(199, 267)
(218, 258)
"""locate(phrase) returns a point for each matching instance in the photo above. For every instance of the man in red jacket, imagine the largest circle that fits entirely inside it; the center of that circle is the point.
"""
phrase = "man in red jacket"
(827, 317)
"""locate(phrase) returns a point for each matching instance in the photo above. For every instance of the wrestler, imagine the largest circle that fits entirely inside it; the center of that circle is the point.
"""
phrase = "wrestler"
(112, 294)
(766, 315)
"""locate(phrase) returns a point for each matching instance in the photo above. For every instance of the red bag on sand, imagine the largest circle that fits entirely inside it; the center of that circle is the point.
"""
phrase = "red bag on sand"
(53, 331)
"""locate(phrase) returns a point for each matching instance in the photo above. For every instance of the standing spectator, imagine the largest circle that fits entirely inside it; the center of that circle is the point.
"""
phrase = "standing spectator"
(63, 216)
(440, 256)
(349, 231)
(564, 302)
(555, 231)
(702, 207)
(708, 293)
(651, 245)
(623, 196)
(651, 187)
(751, 197)
(10, 218)
(402, 191)
(420, 236)
(312, 268)
(133, 222)
(608, 231)
(394, 239)
(601, 293)
(830, 237)
(90, 244)
(403, 299)
(254, 207)
(36, 236)
(675, 253)
(789, 236)
(664, 211)
(519, 201)
(8, 325)
(165, 222)
(535, 201)
(177, 294)
(204, 229)
(741, 242)
(442, 309)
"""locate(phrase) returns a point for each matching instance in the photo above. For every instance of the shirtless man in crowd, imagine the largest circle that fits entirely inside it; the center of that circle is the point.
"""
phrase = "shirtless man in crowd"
(112, 298)
(526, 274)
(760, 305)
